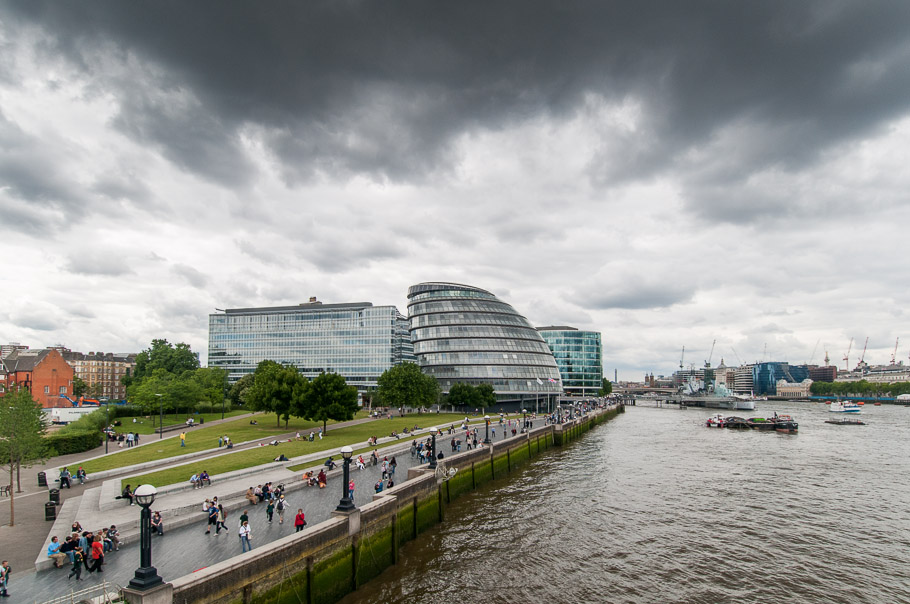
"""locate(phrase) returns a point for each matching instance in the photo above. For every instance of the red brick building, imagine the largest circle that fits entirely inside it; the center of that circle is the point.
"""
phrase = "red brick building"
(43, 372)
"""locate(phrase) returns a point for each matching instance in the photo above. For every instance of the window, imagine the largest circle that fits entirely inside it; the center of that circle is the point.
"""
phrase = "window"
(47, 390)
(62, 389)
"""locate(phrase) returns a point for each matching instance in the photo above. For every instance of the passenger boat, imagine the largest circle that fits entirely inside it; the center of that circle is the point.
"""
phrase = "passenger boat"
(844, 407)
(845, 422)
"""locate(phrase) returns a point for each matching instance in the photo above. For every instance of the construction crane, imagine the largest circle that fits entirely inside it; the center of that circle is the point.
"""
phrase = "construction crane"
(737, 355)
(711, 354)
(863, 357)
(894, 354)
(812, 358)
(681, 357)
(847, 356)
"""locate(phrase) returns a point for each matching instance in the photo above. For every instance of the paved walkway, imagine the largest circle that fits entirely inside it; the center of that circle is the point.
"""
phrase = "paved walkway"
(187, 549)
(30, 532)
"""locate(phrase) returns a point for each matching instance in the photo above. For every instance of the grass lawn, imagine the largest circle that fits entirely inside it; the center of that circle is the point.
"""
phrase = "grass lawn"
(148, 425)
(332, 442)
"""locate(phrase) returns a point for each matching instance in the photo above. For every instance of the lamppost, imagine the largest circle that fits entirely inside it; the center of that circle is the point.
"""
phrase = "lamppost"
(524, 419)
(346, 504)
(486, 438)
(107, 407)
(160, 416)
(433, 432)
(146, 575)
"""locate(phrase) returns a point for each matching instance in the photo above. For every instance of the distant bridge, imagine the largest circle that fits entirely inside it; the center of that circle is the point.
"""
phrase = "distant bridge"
(642, 390)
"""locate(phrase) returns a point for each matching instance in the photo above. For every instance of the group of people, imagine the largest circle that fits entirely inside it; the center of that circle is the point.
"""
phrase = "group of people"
(130, 439)
(82, 549)
(200, 480)
(66, 478)
(216, 516)
(264, 492)
(225, 441)
(318, 480)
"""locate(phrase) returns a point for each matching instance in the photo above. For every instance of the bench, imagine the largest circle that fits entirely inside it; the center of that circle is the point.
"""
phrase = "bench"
(4, 490)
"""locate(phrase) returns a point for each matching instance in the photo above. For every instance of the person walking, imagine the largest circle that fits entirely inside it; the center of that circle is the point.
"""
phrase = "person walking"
(246, 537)
(281, 506)
(270, 509)
(183, 439)
(219, 519)
(97, 555)
(77, 564)
(4, 578)
(213, 519)
(299, 521)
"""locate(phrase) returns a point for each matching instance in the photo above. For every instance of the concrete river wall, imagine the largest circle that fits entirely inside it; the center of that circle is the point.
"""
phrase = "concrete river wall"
(326, 562)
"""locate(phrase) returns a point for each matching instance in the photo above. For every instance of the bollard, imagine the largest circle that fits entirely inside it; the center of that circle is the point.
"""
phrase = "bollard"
(50, 511)
(42, 479)
(55, 496)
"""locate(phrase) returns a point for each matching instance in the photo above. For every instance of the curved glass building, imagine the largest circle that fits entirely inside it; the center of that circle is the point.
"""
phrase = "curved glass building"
(465, 334)
(579, 357)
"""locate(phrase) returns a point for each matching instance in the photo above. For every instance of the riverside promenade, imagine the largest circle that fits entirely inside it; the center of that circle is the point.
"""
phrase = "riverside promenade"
(186, 547)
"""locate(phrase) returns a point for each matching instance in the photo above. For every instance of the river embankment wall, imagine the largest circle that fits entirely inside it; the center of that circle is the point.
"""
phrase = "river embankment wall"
(326, 562)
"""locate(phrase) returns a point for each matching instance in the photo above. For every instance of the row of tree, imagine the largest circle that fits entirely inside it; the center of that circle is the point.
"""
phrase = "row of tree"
(22, 427)
(860, 388)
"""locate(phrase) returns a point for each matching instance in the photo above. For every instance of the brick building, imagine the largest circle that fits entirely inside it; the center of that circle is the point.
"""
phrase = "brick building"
(102, 371)
(44, 372)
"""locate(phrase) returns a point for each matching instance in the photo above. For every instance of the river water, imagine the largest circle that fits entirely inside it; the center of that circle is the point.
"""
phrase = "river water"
(655, 507)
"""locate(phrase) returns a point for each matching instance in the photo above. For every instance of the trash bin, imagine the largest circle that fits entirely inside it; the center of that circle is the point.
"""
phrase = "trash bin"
(42, 479)
(50, 511)
(201, 420)
(55, 496)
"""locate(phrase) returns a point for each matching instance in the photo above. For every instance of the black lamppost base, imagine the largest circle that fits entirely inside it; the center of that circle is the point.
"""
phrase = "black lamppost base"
(145, 578)
(346, 505)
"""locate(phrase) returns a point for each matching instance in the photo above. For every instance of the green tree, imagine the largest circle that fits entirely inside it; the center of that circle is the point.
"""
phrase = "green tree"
(607, 387)
(162, 355)
(276, 389)
(213, 382)
(327, 397)
(486, 396)
(22, 427)
(237, 394)
(405, 385)
(463, 395)
(79, 386)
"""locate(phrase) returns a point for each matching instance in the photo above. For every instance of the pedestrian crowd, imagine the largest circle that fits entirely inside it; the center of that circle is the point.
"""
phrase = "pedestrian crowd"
(83, 549)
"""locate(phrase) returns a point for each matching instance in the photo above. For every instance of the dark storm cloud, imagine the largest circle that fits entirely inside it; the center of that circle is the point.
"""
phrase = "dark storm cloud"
(37, 195)
(384, 89)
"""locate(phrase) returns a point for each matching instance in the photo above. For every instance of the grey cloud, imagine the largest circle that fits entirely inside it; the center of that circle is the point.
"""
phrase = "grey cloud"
(109, 263)
(39, 321)
(384, 89)
(338, 252)
(190, 275)
(632, 294)
(255, 252)
(123, 185)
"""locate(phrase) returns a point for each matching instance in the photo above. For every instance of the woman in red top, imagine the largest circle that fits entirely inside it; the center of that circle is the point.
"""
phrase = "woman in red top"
(97, 554)
(299, 521)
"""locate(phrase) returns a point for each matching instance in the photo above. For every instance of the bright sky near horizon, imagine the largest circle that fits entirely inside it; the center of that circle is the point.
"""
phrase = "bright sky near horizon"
(666, 173)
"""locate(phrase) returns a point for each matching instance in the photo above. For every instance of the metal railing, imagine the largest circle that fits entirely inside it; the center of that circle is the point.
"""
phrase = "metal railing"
(102, 593)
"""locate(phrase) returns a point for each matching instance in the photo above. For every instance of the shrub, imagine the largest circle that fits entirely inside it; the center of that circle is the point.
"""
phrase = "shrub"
(64, 443)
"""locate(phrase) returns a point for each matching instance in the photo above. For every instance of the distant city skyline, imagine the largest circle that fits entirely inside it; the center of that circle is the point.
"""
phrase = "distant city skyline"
(667, 174)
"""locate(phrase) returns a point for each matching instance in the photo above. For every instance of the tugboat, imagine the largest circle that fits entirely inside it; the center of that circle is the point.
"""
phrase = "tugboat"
(785, 424)
(716, 421)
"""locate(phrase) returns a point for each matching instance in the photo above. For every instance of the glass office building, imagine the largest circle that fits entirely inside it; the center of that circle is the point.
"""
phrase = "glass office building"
(579, 357)
(465, 334)
(358, 340)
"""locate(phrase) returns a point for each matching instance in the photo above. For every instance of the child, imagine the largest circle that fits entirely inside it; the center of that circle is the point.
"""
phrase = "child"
(78, 557)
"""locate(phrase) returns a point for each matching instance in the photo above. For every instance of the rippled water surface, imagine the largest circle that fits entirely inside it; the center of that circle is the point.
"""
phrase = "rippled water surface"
(654, 507)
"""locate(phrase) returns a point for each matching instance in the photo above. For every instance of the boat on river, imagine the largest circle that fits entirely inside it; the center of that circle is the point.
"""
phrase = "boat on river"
(844, 407)
(779, 423)
(844, 421)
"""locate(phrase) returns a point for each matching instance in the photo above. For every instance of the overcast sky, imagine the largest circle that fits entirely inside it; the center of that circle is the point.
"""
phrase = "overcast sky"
(667, 173)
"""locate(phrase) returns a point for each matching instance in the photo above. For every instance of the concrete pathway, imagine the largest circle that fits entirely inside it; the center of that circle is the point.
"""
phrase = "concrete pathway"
(186, 549)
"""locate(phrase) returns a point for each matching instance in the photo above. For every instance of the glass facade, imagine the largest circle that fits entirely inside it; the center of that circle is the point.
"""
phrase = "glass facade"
(579, 357)
(465, 334)
(358, 341)
(766, 375)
